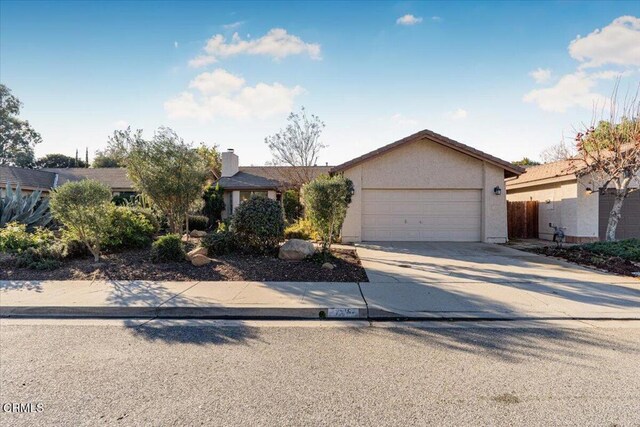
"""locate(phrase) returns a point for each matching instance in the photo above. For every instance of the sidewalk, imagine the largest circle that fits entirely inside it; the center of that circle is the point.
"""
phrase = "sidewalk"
(308, 300)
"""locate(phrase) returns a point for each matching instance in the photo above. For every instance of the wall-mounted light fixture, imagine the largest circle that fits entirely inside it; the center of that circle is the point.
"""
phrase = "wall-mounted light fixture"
(497, 190)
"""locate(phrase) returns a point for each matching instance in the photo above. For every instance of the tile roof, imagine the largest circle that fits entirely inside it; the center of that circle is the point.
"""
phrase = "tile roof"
(510, 169)
(548, 170)
(28, 178)
(115, 178)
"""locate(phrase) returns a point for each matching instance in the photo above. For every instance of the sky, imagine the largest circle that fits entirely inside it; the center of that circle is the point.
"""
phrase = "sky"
(508, 78)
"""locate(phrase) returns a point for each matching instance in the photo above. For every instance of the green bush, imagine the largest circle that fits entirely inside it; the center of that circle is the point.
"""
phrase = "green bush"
(628, 249)
(128, 229)
(14, 238)
(301, 229)
(44, 257)
(213, 203)
(167, 248)
(326, 200)
(258, 224)
(198, 222)
(292, 207)
(83, 209)
(219, 243)
(149, 215)
(73, 248)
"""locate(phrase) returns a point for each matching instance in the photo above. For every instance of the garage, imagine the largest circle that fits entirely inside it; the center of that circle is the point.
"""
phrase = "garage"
(422, 215)
(427, 187)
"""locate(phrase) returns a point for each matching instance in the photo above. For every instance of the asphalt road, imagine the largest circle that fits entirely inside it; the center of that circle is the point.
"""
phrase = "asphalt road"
(213, 373)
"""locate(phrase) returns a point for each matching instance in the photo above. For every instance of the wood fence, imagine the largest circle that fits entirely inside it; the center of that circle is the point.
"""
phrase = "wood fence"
(522, 220)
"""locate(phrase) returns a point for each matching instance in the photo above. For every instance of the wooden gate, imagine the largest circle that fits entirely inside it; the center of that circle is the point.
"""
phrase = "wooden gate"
(522, 220)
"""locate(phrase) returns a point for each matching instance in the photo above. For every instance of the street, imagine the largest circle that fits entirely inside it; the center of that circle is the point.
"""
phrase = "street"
(198, 372)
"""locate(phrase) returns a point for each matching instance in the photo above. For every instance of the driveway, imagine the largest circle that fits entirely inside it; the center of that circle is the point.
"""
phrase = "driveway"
(447, 279)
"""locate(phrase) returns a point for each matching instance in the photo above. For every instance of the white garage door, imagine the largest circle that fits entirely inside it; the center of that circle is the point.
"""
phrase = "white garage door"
(421, 215)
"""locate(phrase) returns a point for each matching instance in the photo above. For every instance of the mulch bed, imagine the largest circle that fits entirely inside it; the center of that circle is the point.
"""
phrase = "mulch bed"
(136, 265)
(581, 256)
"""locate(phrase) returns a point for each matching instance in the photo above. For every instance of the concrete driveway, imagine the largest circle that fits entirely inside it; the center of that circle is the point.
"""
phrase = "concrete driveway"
(447, 279)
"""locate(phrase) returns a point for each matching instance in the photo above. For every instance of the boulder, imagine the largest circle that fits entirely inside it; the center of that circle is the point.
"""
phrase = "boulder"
(296, 249)
(328, 266)
(197, 251)
(197, 233)
(200, 260)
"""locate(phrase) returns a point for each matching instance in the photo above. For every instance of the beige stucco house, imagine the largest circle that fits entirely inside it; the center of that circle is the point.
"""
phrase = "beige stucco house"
(567, 199)
(427, 187)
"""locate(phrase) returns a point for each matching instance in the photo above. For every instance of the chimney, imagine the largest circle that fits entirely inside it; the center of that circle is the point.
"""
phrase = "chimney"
(229, 163)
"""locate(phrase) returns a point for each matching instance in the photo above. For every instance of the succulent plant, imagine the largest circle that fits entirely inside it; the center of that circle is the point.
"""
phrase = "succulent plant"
(29, 209)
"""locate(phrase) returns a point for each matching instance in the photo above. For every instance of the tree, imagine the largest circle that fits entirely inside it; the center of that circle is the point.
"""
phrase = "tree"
(326, 200)
(17, 137)
(211, 156)
(213, 203)
(526, 162)
(298, 146)
(83, 209)
(118, 147)
(169, 172)
(59, 161)
(293, 209)
(610, 154)
(557, 152)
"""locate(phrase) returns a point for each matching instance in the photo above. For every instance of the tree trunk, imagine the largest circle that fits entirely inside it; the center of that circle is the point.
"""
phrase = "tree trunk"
(615, 214)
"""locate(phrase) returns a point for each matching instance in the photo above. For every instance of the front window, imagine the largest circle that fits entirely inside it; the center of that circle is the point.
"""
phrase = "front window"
(245, 195)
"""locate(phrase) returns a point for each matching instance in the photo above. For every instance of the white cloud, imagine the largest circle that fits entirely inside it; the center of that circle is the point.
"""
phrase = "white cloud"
(402, 120)
(233, 25)
(175, 44)
(572, 90)
(277, 43)
(217, 81)
(436, 18)
(617, 44)
(408, 19)
(541, 75)
(458, 114)
(222, 94)
(120, 125)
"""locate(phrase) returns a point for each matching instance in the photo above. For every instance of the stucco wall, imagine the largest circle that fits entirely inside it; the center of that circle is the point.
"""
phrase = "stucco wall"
(428, 165)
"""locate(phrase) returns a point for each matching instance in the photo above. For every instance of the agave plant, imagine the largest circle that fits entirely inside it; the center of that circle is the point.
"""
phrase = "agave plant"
(29, 210)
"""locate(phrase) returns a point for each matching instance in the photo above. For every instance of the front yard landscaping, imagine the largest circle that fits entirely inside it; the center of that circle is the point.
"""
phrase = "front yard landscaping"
(619, 257)
(135, 264)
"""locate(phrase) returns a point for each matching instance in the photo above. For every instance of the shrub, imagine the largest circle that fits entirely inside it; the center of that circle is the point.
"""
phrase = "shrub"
(326, 200)
(167, 248)
(292, 207)
(83, 209)
(628, 249)
(149, 215)
(219, 243)
(43, 257)
(301, 229)
(198, 222)
(14, 238)
(213, 203)
(30, 209)
(127, 229)
(73, 248)
(258, 224)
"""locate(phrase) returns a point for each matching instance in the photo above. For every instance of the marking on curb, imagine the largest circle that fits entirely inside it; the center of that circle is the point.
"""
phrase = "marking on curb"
(343, 312)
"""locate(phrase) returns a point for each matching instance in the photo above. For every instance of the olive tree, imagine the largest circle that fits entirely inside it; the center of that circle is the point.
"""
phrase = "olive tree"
(610, 154)
(83, 209)
(326, 200)
(169, 172)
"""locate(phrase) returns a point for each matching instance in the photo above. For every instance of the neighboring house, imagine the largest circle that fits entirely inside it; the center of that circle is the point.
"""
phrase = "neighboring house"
(241, 182)
(47, 179)
(567, 200)
(427, 187)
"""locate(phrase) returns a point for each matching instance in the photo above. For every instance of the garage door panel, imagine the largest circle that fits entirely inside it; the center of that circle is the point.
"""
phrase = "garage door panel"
(422, 215)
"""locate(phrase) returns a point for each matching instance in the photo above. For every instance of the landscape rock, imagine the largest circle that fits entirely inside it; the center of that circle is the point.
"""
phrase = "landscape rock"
(197, 233)
(197, 251)
(296, 249)
(328, 266)
(200, 260)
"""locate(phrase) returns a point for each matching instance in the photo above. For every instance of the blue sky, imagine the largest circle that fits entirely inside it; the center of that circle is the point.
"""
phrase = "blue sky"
(506, 78)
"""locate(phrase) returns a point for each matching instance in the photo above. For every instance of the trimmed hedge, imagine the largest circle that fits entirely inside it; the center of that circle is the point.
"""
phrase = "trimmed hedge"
(219, 243)
(259, 225)
(168, 248)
